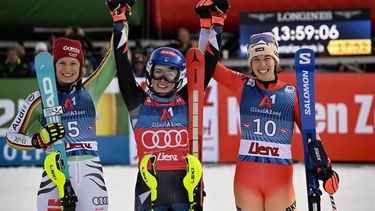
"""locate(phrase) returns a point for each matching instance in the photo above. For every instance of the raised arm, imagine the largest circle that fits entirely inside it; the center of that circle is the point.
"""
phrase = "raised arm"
(212, 14)
(131, 91)
(99, 80)
(210, 36)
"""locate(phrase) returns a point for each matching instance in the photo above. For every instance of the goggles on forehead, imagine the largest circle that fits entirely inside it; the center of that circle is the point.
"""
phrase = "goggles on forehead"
(267, 38)
(166, 73)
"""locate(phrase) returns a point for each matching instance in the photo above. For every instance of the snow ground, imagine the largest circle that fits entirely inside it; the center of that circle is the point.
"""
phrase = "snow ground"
(18, 187)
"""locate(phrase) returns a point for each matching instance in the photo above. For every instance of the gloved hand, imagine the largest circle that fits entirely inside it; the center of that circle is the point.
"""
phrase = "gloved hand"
(330, 179)
(47, 135)
(120, 9)
(203, 9)
(219, 14)
(323, 165)
(222, 5)
(317, 154)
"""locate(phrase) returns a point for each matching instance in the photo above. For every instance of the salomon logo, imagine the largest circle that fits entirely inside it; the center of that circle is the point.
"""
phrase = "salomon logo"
(305, 58)
(306, 92)
(48, 90)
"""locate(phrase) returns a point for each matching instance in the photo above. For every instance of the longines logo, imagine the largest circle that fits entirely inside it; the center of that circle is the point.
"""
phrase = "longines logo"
(262, 16)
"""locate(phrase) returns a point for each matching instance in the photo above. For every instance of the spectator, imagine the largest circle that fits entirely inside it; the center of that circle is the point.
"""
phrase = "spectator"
(39, 48)
(92, 57)
(137, 48)
(20, 49)
(14, 66)
(88, 67)
(148, 51)
(183, 42)
(139, 63)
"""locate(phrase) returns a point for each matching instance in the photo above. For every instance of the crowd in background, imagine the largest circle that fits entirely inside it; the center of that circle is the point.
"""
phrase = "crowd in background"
(19, 63)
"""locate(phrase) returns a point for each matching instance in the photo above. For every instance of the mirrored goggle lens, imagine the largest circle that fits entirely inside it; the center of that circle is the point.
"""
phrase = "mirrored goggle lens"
(265, 37)
(170, 76)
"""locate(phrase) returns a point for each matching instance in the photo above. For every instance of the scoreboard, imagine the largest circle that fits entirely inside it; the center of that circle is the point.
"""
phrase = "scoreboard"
(327, 32)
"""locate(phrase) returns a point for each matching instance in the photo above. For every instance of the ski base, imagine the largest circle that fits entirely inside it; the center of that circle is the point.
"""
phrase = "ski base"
(56, 163)
(195, 65)
(305, 66)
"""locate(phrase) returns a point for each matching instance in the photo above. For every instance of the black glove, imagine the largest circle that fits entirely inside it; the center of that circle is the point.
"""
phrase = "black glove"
(219, 14)
(323, 165)
(203, 8)
(317, 154)
(47, 135)
(222, 5)
(120, 9)
(330, 179)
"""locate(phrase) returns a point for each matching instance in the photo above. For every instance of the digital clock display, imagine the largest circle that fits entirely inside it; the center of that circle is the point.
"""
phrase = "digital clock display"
(339, 32)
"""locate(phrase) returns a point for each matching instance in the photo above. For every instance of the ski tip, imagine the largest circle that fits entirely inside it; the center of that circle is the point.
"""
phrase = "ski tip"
(194, 50)
(194, 56)
(43, 57)
(305, 50)
(43, 54)
(305, 56)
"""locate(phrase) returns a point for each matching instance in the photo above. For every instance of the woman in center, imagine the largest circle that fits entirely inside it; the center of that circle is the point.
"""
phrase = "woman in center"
(159, 115)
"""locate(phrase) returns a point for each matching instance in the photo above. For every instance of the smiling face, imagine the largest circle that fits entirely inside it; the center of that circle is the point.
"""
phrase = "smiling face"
(67, 70)
(162, 87)
(162, 79)
(264, 67)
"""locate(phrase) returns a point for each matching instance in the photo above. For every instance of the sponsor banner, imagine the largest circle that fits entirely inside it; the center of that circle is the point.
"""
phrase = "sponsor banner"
(112, 150)
(345, 118)
(264, 149)
(12, 99)
(229, 133)
(210, 125)
(106, 115)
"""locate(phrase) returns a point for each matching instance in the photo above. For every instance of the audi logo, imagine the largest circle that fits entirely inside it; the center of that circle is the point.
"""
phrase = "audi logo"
(162, 139)
(100, 200)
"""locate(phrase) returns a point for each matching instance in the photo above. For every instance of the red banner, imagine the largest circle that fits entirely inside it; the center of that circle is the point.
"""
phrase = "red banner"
(345, 117)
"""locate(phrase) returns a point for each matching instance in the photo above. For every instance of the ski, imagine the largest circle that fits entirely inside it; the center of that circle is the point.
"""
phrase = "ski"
(195, 65)
(56, 164)
(305, 61)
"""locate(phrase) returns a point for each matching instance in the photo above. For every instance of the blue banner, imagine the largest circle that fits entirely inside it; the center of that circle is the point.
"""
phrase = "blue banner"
(309, 29)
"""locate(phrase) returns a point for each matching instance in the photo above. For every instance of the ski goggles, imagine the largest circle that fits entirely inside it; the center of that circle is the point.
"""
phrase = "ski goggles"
(166, 73)
(265, 37)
